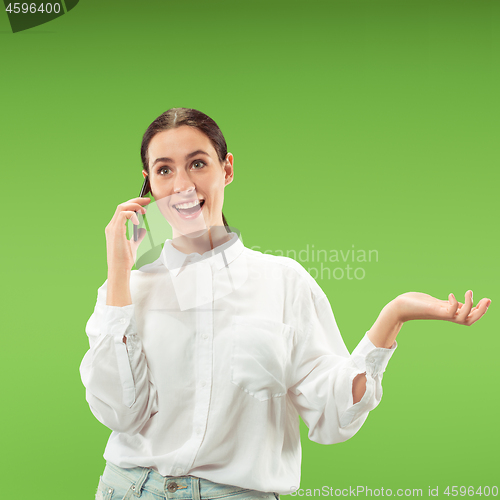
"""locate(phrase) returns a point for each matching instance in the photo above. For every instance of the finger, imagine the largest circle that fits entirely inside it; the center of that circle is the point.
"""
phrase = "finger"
(142, 201)
(465, 310)
(476, 306)
(451, 306)
(136, 207)
(478, 312)
(134, 204)
(454, 304)
(129, 214)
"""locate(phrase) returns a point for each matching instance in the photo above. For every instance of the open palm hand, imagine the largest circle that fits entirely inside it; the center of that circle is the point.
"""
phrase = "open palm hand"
(415, 305)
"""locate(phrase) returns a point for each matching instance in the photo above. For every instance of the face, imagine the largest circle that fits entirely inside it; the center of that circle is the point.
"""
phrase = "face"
(184, 170)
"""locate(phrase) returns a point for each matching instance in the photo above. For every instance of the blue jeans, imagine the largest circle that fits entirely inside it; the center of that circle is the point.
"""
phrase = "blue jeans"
(117, 483)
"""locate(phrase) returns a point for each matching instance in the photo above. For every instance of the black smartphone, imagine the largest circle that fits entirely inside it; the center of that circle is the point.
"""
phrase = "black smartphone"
(145, 189)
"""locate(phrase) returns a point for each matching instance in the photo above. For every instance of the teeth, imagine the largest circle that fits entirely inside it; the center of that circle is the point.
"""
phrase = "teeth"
(187, 205)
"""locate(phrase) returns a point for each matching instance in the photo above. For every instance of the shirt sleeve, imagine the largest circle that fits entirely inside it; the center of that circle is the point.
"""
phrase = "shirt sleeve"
(322, 374)
(118, 382)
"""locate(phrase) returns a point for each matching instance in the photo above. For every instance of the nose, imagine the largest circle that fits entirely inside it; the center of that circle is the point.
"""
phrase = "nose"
(182, 182)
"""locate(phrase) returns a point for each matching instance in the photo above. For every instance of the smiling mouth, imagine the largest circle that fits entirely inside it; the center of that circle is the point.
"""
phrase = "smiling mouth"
(189, 208)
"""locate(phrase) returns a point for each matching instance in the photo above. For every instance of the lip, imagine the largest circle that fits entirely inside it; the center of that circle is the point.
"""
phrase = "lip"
(194, 215)
(186, 201)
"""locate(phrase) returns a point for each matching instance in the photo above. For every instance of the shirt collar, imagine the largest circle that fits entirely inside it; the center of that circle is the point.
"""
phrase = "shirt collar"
(221, 256)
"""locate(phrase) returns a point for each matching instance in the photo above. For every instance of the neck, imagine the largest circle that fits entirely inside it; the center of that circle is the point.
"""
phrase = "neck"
(211, 238)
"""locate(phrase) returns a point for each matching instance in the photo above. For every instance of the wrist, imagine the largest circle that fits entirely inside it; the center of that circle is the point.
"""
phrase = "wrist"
(118, 272)
(394, 312)
(384, 331)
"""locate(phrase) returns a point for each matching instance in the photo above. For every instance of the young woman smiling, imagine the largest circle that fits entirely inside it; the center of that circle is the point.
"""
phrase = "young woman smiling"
(201, 362)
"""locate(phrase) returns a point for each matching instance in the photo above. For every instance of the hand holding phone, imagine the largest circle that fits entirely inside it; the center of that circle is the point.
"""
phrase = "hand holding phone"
(121, 252)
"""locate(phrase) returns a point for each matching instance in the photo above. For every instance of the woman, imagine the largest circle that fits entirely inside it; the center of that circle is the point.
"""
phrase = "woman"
(202, 361)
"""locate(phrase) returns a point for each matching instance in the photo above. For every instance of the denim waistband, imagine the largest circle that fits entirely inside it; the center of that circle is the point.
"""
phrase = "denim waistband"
(172, 487)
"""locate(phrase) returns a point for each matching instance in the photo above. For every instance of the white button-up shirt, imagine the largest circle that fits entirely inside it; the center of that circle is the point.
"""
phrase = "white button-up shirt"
(224, 351)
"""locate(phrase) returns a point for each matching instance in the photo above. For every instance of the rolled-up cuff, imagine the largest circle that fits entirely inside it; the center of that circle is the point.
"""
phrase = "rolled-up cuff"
(368, 402)
(119, 321)
(371, 359)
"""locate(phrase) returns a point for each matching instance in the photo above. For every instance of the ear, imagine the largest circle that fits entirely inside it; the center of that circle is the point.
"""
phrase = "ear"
(228, 168)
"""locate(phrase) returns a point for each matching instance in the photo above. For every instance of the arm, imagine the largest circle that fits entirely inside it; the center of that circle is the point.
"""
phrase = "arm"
(411, 306)
(121, 252)
(323, 374)
(119, 387)
(382, 334)
(118, 288)
(414, 305)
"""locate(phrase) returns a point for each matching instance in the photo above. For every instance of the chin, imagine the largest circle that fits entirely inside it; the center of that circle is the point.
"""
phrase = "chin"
(196, 234)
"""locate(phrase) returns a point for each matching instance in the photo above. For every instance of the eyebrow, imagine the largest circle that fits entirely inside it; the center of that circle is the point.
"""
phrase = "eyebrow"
(190, 155)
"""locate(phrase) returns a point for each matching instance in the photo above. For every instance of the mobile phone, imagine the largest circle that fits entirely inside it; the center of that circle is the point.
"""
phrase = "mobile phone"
(145, 189)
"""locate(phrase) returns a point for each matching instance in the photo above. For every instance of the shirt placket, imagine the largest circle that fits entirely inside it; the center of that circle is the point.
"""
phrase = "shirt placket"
(203, 376)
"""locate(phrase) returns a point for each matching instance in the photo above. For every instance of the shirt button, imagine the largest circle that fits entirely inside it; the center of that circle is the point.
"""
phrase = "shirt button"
(178, 471)
(123, 321)
(204, 336)
(199, 430)
(203, 383)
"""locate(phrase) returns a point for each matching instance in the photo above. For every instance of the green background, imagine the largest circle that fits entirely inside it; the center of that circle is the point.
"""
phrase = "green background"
(367, 123)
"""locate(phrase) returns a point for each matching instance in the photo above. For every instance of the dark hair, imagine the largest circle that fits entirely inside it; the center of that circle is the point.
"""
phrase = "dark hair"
(176, 117)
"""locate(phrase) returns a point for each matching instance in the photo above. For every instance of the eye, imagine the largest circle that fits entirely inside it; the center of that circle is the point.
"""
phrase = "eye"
(198, 162)
(161, 170)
